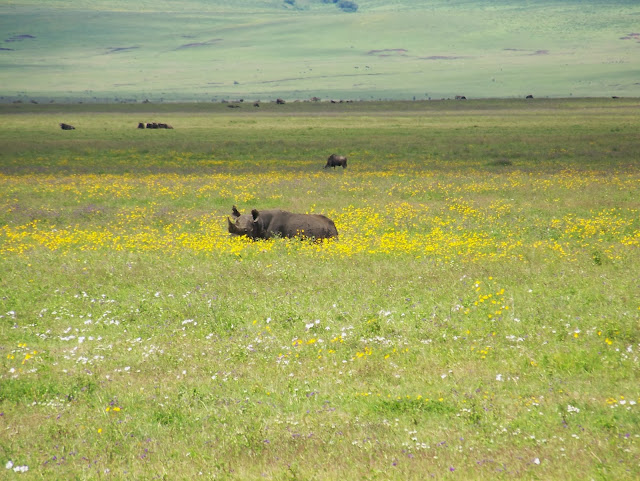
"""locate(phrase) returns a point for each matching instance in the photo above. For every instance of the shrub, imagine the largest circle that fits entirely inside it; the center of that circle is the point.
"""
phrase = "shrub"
(347, 6)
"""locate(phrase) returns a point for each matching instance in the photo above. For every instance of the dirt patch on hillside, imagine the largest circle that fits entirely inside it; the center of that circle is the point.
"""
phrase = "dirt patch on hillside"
(200, 44)
(388, 52)
(631, 36)
(19, 38)
(527, 51)
(440, 57)
(120, 49)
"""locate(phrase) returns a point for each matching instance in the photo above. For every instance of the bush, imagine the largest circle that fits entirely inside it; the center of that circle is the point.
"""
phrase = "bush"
(347, 5)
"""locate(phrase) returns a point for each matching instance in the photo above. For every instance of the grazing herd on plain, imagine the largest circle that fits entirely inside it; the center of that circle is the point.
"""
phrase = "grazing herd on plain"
(271, 223)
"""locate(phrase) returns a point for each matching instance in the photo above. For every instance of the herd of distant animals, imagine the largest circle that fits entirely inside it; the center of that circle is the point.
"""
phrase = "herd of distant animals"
(334, 160)
(154, 125)
(271, 223)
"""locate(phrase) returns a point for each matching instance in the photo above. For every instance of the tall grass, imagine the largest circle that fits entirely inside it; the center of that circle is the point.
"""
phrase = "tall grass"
(476, 318)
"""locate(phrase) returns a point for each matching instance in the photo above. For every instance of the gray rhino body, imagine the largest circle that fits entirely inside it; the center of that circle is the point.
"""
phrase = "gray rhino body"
(266, 224)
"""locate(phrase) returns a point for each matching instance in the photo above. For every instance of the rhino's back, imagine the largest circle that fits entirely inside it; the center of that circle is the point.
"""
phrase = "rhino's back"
(288, 224)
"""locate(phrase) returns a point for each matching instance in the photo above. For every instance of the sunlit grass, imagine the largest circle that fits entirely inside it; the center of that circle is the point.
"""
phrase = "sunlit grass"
(472, 320)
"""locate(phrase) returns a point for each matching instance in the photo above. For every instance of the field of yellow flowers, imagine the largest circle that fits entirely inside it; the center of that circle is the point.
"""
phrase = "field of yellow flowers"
(477, 317)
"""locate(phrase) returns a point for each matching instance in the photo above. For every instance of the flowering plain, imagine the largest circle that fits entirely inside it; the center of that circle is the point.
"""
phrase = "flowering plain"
(477, 317)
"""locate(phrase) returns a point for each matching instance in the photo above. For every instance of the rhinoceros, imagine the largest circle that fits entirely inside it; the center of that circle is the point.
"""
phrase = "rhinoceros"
(336, 160)
(267, 224)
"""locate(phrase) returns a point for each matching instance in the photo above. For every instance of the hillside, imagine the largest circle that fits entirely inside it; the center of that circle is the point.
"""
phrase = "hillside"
(296, 49)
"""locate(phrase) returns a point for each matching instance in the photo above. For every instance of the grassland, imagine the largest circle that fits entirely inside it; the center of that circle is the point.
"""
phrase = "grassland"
(477, 317)
(132, 51)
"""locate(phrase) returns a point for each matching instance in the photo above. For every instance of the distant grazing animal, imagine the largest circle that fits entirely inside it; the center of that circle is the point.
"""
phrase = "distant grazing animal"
(271, 223)
(64, 126)
(461, 97)
(336, 160)
(256, 104)
(280, 101)
(529, 96)
(155, 125)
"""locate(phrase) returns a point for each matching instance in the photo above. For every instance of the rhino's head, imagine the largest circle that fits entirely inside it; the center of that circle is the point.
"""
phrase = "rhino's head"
(245, 224)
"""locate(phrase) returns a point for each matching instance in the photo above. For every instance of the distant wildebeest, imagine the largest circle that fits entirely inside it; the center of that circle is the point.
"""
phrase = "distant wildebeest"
(280, 101)
(64, 126)
(336, 160)
(256, 104)
(271, 223)
(529, 96)
(141, 125)
(461, 97)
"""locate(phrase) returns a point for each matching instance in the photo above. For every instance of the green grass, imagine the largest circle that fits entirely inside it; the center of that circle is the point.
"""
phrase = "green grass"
(119, 51)
(477, 317)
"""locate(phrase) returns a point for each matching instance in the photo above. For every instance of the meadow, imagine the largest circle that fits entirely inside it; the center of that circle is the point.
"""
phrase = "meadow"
(478, 316)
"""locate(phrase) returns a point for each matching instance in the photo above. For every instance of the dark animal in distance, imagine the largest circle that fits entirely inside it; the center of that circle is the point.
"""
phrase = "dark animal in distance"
(267, 224)
(336, 160)
(64, 126)
(461, 97)
(280, 101)
(529, 96)
(154, 125)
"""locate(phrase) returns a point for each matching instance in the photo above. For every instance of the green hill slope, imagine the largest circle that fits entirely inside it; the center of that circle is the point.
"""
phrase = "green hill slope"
(296, 49)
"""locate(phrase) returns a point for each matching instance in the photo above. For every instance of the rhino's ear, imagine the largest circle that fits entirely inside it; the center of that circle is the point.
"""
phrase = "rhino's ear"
(235, 212)
(255, 214)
